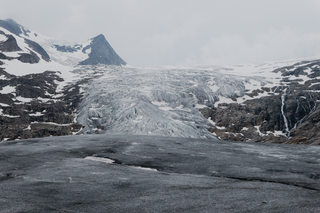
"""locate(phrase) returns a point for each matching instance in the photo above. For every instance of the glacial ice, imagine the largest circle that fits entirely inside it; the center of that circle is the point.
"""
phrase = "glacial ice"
(156, 101)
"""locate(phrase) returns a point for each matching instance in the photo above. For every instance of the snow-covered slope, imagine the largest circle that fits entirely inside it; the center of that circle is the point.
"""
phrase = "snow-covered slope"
(21, 54)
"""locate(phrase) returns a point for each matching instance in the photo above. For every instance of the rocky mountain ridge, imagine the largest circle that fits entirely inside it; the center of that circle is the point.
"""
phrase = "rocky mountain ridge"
(38, 94)
(288, 114)
(56, 88)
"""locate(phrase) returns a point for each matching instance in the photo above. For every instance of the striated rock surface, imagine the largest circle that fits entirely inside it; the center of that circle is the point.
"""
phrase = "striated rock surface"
(103, 173)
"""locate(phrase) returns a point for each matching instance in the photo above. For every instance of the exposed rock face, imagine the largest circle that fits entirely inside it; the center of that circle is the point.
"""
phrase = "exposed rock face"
(101, 53)
(31, 58)
(290, 114)
(13, 27)
(30, 105)
(33, 108)
(37, 48)
(10, 45)
(69, 49)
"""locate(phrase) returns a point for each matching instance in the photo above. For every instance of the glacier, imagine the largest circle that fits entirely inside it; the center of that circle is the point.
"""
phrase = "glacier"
(159, 100)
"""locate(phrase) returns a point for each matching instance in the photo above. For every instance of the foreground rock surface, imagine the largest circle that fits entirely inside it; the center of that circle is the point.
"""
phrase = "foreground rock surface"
(101, 173)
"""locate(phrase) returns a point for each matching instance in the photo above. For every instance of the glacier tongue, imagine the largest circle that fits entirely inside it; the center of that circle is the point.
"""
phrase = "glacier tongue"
(154, 101)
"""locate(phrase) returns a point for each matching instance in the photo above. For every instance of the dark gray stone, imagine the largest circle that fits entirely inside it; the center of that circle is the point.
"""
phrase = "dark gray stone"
(52, 175)
(30, 58)
(70, 49)
(102, 53)
(10, 45)
(37, 48)
(301, 110)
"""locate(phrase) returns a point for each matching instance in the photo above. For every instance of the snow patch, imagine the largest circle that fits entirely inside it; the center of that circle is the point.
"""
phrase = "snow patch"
(37, 114)
(3, 77)
(144, 168)
(223, 100)
(23, 99)
(99, 159)
(3, 38)
(8, 89)
(245, 129)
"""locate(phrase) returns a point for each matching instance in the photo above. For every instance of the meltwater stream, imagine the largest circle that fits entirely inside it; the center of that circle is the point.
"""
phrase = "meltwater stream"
(158, 101)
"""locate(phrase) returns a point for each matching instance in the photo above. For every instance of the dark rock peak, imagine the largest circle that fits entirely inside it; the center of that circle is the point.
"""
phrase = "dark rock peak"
(14, 27)
(101, 53)
(10, 45)
(100, 38)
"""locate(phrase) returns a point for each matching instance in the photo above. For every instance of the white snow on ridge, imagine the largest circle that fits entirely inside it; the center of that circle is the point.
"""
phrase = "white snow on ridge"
(20, 41)
(19, 68)
(70, 59)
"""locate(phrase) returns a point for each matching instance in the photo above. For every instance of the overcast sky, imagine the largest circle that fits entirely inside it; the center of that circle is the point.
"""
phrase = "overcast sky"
(181, 32)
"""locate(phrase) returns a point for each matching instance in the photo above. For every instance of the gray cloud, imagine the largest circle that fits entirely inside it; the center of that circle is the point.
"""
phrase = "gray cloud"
(169, 32)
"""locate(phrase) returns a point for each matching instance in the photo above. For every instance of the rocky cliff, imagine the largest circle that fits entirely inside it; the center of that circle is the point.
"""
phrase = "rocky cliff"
(101, 52)
(288, 114)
